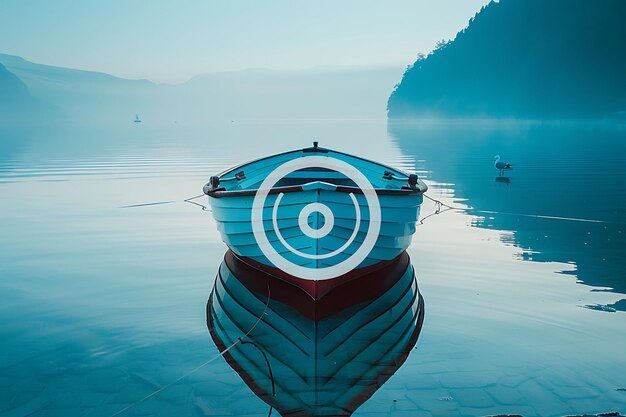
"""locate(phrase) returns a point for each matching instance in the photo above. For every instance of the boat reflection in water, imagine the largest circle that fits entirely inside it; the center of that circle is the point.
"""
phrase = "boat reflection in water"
(315, 357)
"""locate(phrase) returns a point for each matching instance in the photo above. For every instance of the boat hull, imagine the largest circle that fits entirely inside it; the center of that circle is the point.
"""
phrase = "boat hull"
(282, 224)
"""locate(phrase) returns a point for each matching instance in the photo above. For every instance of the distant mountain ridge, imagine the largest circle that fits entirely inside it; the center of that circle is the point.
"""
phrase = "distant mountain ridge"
(322, 93)
(83, 95)
(527, 59)
(29, 71)
(16, 102)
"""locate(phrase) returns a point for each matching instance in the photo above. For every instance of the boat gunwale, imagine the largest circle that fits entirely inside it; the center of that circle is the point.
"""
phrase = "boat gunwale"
(420, 189)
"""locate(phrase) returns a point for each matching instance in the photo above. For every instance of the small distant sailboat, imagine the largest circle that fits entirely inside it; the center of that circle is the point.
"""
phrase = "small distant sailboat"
(137, 119)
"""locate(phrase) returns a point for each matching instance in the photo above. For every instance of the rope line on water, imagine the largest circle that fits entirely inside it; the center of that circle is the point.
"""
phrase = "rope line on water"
(541, 216)
(269, 368)
(190, 201)
(441, 207)
(220, 354)
(156, 203)
(439, 210)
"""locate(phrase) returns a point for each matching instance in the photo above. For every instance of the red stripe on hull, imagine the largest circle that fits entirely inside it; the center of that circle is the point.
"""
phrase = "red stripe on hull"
(319, 299)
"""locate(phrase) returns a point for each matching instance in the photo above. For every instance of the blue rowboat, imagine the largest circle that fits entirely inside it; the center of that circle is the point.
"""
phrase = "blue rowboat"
(314, 358)
(315, 214)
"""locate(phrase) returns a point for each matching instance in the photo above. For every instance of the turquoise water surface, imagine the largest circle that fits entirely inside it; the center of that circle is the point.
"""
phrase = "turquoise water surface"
(105, 272)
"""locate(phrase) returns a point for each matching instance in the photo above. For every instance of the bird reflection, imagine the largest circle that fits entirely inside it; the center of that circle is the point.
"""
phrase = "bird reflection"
(315, 357)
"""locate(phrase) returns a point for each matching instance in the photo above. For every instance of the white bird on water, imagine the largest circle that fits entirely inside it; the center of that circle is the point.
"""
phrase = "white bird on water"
(501, 166)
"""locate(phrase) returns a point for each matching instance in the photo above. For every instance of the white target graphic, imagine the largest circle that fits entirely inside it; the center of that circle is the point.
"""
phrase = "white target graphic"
(340, 268)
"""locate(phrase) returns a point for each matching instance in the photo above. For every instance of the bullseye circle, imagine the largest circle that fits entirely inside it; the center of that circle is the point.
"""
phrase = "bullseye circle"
(324, 210)
(357, 221)
(300, 271)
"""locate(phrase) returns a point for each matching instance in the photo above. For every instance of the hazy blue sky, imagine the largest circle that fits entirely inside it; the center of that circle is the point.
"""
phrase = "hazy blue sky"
(171, 41)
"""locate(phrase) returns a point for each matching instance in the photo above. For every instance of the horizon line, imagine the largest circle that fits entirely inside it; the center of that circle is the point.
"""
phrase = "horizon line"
(329, 67)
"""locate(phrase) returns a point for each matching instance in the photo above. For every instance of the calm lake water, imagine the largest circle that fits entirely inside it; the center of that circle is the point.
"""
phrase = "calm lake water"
(104, 297)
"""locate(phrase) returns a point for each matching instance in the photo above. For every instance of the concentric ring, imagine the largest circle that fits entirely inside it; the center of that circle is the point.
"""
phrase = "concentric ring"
(303, 220)
(300, 271)
(357, 218)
